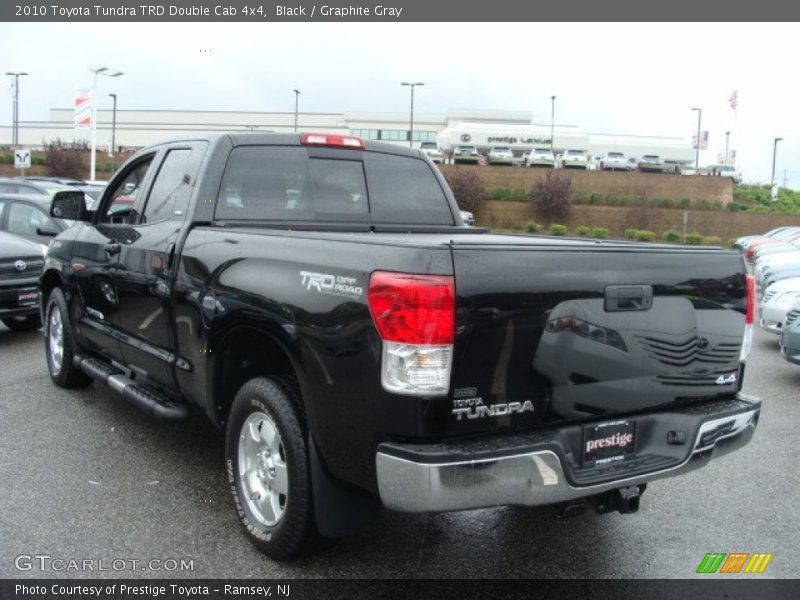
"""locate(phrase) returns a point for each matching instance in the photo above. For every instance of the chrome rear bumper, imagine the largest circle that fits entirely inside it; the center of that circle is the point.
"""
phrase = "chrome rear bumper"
(532, 478)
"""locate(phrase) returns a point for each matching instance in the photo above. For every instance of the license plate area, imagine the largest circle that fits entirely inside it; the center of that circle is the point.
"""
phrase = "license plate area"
(608, 442)
(27, 297)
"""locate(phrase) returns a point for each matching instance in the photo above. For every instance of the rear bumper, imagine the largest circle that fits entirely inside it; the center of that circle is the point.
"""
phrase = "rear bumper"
(537, 470)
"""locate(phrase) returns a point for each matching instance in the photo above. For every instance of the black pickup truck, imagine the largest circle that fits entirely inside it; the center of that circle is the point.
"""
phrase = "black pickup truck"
(320, 300)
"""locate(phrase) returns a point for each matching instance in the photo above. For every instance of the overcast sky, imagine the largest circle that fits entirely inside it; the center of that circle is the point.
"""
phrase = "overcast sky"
(636, 79)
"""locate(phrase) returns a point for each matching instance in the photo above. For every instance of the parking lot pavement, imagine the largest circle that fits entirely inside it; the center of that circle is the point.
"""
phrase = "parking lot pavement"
(87, 476)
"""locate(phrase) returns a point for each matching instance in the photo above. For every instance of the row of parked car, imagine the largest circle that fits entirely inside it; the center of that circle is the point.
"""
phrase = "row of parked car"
(775, 261)
(26, 229)
(571, 159)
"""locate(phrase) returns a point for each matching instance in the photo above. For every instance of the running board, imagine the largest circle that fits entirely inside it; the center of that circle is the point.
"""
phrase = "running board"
(150, 401)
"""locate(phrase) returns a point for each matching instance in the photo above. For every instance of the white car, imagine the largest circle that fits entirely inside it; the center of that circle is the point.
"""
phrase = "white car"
(774, 308)
(433, 151)
(613, 161)
(651, 163)
(725, 171)
(574, 159)
(672, 166)
(774, 260)
(540, 157)
(466, 154)
(500, 155)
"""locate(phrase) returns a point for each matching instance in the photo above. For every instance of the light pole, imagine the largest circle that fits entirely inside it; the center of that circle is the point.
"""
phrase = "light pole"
(113, 132)
(411, 124)
(774, 154)
(296, 105)
(15, 109)
(552, 124)
(727, 138)
(697, 146)
(97, 71)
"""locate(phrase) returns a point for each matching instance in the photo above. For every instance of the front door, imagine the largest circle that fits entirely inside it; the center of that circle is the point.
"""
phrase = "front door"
(143, 276)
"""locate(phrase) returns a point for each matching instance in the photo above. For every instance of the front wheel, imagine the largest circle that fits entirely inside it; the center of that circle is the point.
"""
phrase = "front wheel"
(27, 323)
(268, 468)
(60, 345)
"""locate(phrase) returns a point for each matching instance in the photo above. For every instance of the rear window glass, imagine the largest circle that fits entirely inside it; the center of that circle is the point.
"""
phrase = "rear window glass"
(501, 149)
(541, 151)
(429, 146)
(615, 154)
(286, 184)
(574, 152)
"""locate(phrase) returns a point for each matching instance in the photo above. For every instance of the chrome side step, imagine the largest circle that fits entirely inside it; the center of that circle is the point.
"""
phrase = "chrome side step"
(150, 401)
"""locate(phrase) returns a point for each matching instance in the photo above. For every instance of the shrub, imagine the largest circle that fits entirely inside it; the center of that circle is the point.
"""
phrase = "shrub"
(63, 159)
(684, 203)
(664, 203)
(671, 235)
(600, 233)
(467, 189)
(582, 230)
(630, 233)
(694, 239)
(498, 193)
(552, 195)
(532, 227)
(556, 229)
(712, 240)
(731, 243)
(645, 236)
(594, 199)
(580, 197)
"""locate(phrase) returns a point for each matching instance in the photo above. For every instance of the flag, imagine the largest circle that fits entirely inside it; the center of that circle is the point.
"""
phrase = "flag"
(83, 109)
(734, 99)
(703, 141)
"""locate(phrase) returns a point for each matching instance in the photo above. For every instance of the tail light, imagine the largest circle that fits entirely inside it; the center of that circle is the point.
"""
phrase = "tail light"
(749, 316)
(338, 141)
(415, 317)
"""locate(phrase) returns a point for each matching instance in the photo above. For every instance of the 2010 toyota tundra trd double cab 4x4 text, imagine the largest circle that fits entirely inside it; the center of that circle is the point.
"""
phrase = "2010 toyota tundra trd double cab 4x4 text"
(319, 299)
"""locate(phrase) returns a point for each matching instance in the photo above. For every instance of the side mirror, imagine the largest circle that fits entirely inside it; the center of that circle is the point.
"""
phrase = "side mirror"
(48, 231)
(68, 205)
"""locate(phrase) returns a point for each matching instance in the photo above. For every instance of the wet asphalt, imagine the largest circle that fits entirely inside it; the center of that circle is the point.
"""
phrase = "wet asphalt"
(84, 475)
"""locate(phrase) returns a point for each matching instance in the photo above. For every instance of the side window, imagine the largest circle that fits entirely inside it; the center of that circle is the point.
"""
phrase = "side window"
(24, 219)
(169, 193)
(121, 207)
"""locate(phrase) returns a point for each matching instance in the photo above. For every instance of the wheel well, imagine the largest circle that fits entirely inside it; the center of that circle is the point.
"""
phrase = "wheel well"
(243, 355)
(50, 281)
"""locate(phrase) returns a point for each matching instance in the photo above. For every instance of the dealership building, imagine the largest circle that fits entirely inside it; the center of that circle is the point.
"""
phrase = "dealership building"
(480, 128)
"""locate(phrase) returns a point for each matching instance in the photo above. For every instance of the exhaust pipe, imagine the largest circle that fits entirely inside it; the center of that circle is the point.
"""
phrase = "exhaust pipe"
(623, 500)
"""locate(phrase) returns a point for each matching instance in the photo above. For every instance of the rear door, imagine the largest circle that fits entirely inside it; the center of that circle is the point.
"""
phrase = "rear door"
(142, 280)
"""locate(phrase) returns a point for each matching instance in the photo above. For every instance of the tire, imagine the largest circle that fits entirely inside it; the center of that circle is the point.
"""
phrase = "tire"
(27, 323)
(267, 460)
(59, 343)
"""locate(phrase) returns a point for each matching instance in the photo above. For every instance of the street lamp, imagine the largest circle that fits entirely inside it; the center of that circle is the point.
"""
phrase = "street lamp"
(113, 131)
(97, 71)
(296, 105)
(774, 153)
(697, 145)
(552, 123)
(411, 125)
(727, 138)
(15, 109)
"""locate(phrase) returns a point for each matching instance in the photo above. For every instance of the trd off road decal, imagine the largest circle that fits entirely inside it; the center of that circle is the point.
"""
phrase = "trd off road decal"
(333, 285)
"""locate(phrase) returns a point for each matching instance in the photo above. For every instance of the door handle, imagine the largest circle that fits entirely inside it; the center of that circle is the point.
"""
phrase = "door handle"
(112, 249)
(628, 297)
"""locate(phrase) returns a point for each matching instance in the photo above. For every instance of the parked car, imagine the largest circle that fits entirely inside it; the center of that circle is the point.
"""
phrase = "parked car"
(93, 189)
(744, 241)
(774, 261)
(355, 346)
(790, 285)
(466, 155)
(16, 185)
(672, 166)
(633, 163)
(21, 264)
(614, 161)
(651, 163)
(500, 155)
(433, 151)
(540, 157)
(574, 159)
(790, 335)
(780, 272)
(774, 308)
(28, 217)
(725, 171)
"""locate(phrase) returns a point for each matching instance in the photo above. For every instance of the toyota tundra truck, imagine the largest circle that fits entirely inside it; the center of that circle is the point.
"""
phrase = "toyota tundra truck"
(318, 298)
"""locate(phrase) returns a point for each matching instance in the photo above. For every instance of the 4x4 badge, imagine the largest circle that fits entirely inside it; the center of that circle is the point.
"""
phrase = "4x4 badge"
(722, 379)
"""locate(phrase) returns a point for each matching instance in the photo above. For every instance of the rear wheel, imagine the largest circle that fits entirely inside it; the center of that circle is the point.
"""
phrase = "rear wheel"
(27, 323)
(268, 468)
(60, 345)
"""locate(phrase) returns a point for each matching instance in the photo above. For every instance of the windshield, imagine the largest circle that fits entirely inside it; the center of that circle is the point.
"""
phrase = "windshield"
(616, 155)
(500, 149)
(541, 151)
(429, 146)
(575, 152)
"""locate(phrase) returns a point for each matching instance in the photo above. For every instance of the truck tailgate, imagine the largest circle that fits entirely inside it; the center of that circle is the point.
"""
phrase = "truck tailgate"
(548, 334)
